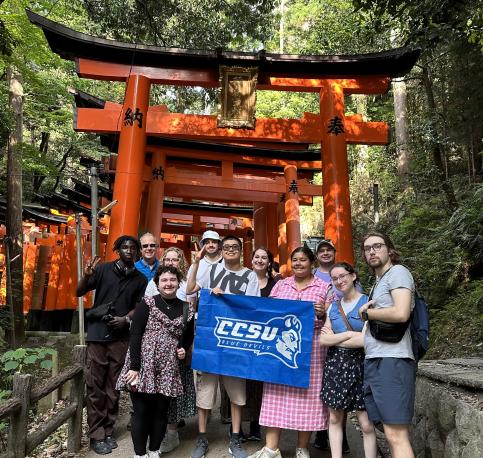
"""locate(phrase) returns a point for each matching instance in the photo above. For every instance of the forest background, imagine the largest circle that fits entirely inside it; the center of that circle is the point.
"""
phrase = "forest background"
(430, 177)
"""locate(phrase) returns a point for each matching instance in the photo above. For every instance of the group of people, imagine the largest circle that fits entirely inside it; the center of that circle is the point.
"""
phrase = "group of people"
(143, 341)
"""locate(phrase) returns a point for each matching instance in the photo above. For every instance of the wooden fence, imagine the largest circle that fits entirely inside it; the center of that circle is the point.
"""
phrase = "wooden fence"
(24, 398)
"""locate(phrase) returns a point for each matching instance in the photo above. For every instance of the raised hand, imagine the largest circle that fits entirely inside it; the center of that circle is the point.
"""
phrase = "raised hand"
(91, 266)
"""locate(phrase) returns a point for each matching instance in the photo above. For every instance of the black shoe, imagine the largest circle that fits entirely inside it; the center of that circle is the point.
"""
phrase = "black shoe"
(255, 434)
(345, 445)
(109, 440)
(100, 447)
(243, 438)
(321, 440)
(181, 423)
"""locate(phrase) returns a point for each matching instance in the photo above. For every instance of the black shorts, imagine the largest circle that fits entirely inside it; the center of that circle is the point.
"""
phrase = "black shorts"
(389, 388)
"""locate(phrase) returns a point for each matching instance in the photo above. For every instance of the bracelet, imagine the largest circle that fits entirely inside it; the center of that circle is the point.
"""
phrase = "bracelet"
(128, 319)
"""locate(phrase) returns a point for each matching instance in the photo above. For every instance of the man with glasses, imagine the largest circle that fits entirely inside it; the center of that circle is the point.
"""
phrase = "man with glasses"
(229, 277)
(389, 368)
(119, 286)
(148, 263)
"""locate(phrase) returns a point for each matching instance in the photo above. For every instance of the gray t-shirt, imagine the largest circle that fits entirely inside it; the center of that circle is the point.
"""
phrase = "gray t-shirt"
(397, 277)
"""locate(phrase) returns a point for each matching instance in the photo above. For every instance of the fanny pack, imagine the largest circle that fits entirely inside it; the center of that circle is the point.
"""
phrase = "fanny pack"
(384, 331)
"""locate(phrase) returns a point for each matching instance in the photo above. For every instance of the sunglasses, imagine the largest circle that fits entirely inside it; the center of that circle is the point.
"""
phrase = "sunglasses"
(149, 245)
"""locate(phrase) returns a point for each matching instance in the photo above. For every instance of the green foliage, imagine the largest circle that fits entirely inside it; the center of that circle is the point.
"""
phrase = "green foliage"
(26, 359)
(196, 24)
(465, 226)
(456, 330)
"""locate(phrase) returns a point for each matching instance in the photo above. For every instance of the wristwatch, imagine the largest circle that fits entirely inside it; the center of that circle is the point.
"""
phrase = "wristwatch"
(364, 315)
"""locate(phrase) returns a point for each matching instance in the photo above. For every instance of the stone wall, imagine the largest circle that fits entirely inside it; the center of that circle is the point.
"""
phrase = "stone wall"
(448, 420)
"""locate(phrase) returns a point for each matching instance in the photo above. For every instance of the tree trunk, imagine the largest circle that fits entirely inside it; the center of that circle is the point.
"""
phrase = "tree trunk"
(437, 150)
(14, 207)
(401, 127)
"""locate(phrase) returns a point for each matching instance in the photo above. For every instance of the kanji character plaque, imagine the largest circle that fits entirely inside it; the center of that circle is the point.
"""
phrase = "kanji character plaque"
(238, 97)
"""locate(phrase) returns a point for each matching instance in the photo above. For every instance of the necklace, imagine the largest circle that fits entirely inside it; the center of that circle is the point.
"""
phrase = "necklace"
(167, 304)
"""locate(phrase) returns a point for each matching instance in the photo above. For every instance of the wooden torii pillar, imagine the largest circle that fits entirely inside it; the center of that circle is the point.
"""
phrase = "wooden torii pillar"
(139, 67)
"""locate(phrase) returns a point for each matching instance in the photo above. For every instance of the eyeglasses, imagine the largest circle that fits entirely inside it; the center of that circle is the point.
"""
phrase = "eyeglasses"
(339, 278)
(376, 247)
(149, 245)
(230, 248)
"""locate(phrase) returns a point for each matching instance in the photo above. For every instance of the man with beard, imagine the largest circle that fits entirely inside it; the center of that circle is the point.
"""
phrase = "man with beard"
(389, 367)
(119, 286)
(210, 241)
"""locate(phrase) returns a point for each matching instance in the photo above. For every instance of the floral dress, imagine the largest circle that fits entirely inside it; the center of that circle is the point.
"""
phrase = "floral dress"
(160, 369)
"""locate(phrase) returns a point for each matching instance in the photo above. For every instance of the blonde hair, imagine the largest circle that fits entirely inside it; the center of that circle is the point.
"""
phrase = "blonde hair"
(183, 264)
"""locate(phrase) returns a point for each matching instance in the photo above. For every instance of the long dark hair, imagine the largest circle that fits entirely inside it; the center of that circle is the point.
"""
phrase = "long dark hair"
(348, 267)
(305, 250)
(270, 260)
(393, 254)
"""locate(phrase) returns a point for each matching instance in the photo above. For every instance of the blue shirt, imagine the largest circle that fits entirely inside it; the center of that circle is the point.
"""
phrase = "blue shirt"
(147, 270)
(338, 323)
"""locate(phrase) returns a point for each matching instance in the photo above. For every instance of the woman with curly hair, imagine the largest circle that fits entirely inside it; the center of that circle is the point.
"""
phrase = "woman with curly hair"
(175, 257)
(183, 406)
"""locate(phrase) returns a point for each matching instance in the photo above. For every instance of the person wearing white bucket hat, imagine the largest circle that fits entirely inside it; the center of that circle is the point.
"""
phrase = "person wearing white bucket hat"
(212, 241)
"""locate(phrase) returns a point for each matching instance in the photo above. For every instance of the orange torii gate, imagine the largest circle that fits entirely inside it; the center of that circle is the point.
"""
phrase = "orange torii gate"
(141, 66)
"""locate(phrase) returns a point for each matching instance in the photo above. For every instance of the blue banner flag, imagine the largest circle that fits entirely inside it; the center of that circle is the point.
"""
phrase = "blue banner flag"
(254, 338)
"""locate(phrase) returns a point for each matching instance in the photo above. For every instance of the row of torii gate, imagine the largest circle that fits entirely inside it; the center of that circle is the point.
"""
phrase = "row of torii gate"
(267, 164)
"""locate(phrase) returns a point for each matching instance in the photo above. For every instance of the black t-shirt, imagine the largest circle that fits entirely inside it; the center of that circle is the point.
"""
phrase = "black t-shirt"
(265, 291)
(113, 284)
(140, 320)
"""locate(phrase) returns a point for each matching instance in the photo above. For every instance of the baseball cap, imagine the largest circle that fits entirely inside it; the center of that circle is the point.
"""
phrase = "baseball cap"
(213, 235)
(325, 242)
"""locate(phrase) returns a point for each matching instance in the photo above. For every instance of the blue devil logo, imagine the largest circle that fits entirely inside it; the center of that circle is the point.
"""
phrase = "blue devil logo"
(280, 337)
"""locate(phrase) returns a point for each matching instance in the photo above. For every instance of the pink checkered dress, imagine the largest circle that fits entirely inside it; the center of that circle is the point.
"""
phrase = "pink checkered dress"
(298, 408)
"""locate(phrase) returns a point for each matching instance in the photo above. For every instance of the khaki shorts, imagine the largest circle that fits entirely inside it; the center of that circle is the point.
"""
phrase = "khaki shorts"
(207, 387)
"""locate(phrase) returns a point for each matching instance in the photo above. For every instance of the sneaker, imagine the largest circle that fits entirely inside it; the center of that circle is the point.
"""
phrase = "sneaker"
(100, 447)
(302, 453)
(321, 440)
(255, 434)
(243, 437)
(266, 453)
(345, 445)
(170, 442)
(235, 449)
(201, 448)
(152, 454)
(109, 440)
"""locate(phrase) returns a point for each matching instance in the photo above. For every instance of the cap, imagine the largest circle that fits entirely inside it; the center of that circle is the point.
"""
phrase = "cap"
(325, 242)
(213, 235)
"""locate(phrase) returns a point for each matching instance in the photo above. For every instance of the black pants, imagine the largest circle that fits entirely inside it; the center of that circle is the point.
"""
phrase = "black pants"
(149, 420)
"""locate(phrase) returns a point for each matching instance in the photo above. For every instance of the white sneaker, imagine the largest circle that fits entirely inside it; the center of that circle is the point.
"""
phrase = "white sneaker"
(302, 453)
(140, 456)
(266, 453)
(170, 442)
(152, 454)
